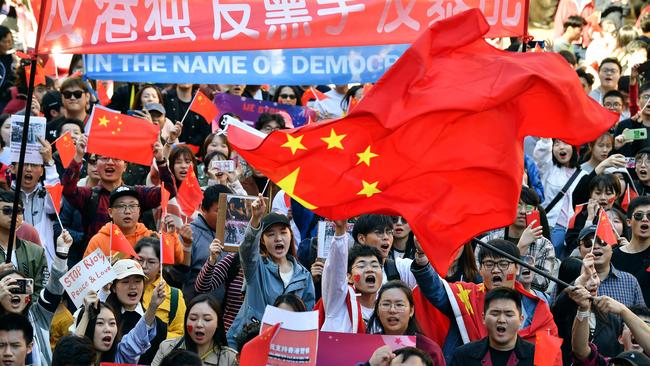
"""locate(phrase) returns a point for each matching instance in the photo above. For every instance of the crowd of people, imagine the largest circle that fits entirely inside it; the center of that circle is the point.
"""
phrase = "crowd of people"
(487, 310)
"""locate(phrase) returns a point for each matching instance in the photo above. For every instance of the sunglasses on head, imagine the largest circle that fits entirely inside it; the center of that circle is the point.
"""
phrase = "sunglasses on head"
(287, 96)
(68, 94)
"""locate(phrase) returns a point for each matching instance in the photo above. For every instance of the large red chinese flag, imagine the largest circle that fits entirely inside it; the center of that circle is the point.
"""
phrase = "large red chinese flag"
(604, 230)
(66, 148)
(437, 140)
(202, 105)
(256, 351)
(119, 243)
(189, 194)
(122, 137)
(547, 349)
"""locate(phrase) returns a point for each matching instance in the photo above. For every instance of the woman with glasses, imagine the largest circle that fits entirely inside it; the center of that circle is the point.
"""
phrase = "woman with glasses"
(173, 307)
(286, 94)
(395, 315)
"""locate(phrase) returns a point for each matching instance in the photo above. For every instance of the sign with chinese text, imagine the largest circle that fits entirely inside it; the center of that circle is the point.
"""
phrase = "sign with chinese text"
(134, 26)
(296, 343)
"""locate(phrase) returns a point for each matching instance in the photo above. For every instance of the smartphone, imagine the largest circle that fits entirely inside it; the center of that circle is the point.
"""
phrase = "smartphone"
(532, 215)
(636, 134)
(644, 67)
(223, 165)
(630, 163)
(25, 286)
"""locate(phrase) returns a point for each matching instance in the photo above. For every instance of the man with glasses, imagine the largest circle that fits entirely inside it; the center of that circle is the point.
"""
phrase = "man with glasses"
(614, 283)
(124, 211)
(76, 102)
(609, 72)
(377, 231)
(93, 203)
(614, 101)
(634, 258)
(26, 257)
(642, 169)
(463, 302)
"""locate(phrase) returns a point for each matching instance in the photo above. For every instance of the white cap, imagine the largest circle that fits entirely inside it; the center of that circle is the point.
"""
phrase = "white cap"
(127, 267)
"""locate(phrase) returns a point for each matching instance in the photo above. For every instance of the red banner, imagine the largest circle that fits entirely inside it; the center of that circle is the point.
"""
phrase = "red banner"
(136, 26)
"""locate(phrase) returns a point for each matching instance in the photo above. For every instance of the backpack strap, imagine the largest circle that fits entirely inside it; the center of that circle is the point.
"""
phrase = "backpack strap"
(390, 270)
(562, 191)
(173, 304)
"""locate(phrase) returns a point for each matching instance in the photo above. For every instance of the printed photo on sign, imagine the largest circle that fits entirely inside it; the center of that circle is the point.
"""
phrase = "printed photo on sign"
(326, 235)
(296, 343)
(33, 147)
(249, 109)
(234, 215)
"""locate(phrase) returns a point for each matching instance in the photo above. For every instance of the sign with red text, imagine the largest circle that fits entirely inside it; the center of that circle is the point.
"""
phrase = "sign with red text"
(139, 26)
(91, 274)
(296, 343)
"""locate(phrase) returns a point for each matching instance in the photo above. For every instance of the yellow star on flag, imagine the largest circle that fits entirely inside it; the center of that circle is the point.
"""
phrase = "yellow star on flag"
(334, 140)
(369, 189)
(103, 121)
(288, 185)
(365, 156)
(294, 143)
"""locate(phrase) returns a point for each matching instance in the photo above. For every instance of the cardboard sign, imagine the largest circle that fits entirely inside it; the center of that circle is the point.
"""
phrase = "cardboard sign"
(91, 274)
(33, 147)
(296, 343)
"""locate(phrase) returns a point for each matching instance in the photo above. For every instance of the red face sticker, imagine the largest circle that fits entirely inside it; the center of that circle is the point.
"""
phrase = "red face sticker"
(28, 299)
(189, 328)
(510, 277)
(356, 278)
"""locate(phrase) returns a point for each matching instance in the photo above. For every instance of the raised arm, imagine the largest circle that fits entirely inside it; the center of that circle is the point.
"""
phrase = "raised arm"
(335, 283)
(249, 250)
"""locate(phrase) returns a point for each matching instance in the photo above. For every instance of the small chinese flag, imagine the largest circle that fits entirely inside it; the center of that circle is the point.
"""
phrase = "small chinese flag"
(122, 137)
(164, 199)
(576, 212)
(628, 196)
(102, 95)
(203, 105)
(189, 194)
(605, 231)
(547, 349)
(66, 148)
(119, 243)
(167, 241)
(56, 192)
(39, 79)
(256, 351)
(312, 94)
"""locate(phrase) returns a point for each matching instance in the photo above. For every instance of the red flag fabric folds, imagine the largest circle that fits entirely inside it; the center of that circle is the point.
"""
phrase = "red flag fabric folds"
(56, 192)
(256, 351)
(167, 241)
(66, 148)
(438, 139)
(189, 194)
(202, 105)
(604, 230)
(120, 136)
(628, 196)
(547, 350)
(119, 243)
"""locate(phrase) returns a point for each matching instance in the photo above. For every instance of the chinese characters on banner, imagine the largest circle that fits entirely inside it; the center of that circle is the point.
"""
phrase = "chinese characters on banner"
(125, 26)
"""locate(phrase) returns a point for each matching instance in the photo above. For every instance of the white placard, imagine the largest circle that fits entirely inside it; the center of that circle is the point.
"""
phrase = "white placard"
(92, 273)
(36, 130)
(325, 236)
(296, 343)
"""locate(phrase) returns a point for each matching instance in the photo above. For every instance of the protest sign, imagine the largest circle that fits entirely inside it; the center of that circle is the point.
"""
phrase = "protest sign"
(33, 147)
(326, 235)
(91, 274)
(354, 349)
(226, 25)
(317, 66)
(250, 109)
(233, 217)
(297, 340)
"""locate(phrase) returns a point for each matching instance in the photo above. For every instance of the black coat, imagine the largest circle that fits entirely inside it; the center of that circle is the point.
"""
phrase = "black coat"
(473, 353)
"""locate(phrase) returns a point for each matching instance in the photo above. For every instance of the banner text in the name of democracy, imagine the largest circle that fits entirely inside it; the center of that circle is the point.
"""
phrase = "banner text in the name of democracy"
(337, 65)
(165, 26)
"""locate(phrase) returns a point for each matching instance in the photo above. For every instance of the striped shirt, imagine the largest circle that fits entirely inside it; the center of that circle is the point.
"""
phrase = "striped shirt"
(213, 276)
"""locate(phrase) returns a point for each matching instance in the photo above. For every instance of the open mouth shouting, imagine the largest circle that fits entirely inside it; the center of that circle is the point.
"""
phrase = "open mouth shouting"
(497, 280)
(279, 249)
(643, 174)
(16, 302)
(198, 335)
(501, 331)
(109, 171)
(133, 296)
(370, 280)
(644, 228)
(393, 321)
(107, 341)
(384, 248)
(28, 178)
(182, 173)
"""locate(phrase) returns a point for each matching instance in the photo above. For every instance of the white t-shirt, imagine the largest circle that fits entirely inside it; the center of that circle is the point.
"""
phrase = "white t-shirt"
(286, 276)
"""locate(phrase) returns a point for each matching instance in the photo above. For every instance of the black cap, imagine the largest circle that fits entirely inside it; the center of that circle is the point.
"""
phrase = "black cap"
(51, 100)
(272, 219)
(586, 231)
(633, 358)
(122, 191)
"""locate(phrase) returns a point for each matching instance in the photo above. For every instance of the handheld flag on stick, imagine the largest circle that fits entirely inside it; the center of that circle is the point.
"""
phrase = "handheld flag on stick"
(167, 241)
(189, 194)
(203, 106)
(628, 196)
(119, 243)
(56, 192)
(604, 230)
(66, 148)
(256, 351)
(547, 349)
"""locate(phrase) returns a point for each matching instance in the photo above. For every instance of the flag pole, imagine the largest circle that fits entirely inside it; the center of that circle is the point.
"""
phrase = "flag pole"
(188, 108)
(526, 36)
(55, 211)
(23, 142)
(520, 262)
